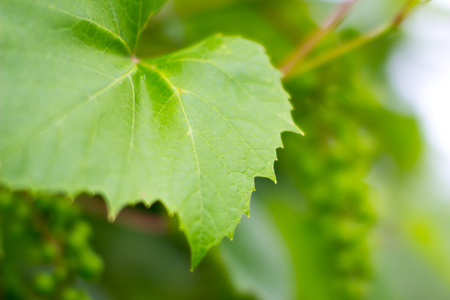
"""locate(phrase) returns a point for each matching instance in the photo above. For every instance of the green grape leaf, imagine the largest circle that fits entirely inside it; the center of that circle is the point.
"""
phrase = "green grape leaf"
(80, 113)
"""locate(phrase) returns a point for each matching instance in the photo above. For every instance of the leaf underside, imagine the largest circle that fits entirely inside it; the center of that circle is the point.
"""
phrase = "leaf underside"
(78, 114)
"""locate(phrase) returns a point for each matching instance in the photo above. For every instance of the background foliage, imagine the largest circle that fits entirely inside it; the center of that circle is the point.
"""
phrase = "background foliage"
(342, 222)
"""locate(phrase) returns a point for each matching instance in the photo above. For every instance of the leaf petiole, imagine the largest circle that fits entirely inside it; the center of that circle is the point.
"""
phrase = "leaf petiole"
(356, 43)
(305, 47)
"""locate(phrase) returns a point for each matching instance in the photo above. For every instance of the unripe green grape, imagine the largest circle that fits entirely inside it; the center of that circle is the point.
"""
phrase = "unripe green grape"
(44, 284)
(70, 293)
(318, 196)
(83, 228)
(49, 252)
(339, 158)
(350, 231)
(90, 265)
(354, 288)
(340, 185)
(341, 230)
(79, 234)
(351, 262)
(76, 243)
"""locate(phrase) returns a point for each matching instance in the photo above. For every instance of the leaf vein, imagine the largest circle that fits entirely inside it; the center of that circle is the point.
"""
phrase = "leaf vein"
(190, 131)
(118, 37)
(51, 122)
(228, 123)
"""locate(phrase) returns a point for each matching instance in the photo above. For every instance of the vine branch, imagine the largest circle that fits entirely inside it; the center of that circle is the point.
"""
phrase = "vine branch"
(305, 47)
(358, 42)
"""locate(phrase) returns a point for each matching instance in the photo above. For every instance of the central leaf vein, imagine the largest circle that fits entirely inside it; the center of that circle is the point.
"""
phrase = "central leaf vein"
(190, 131)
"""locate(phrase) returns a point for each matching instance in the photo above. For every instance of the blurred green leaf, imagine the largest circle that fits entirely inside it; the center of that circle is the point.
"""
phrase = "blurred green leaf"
(258, 260)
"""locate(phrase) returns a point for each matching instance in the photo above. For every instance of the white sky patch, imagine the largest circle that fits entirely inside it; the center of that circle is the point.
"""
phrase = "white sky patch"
(442, 3)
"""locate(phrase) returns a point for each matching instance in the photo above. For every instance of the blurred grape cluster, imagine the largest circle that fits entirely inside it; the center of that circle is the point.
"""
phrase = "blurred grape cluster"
(45, 248)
